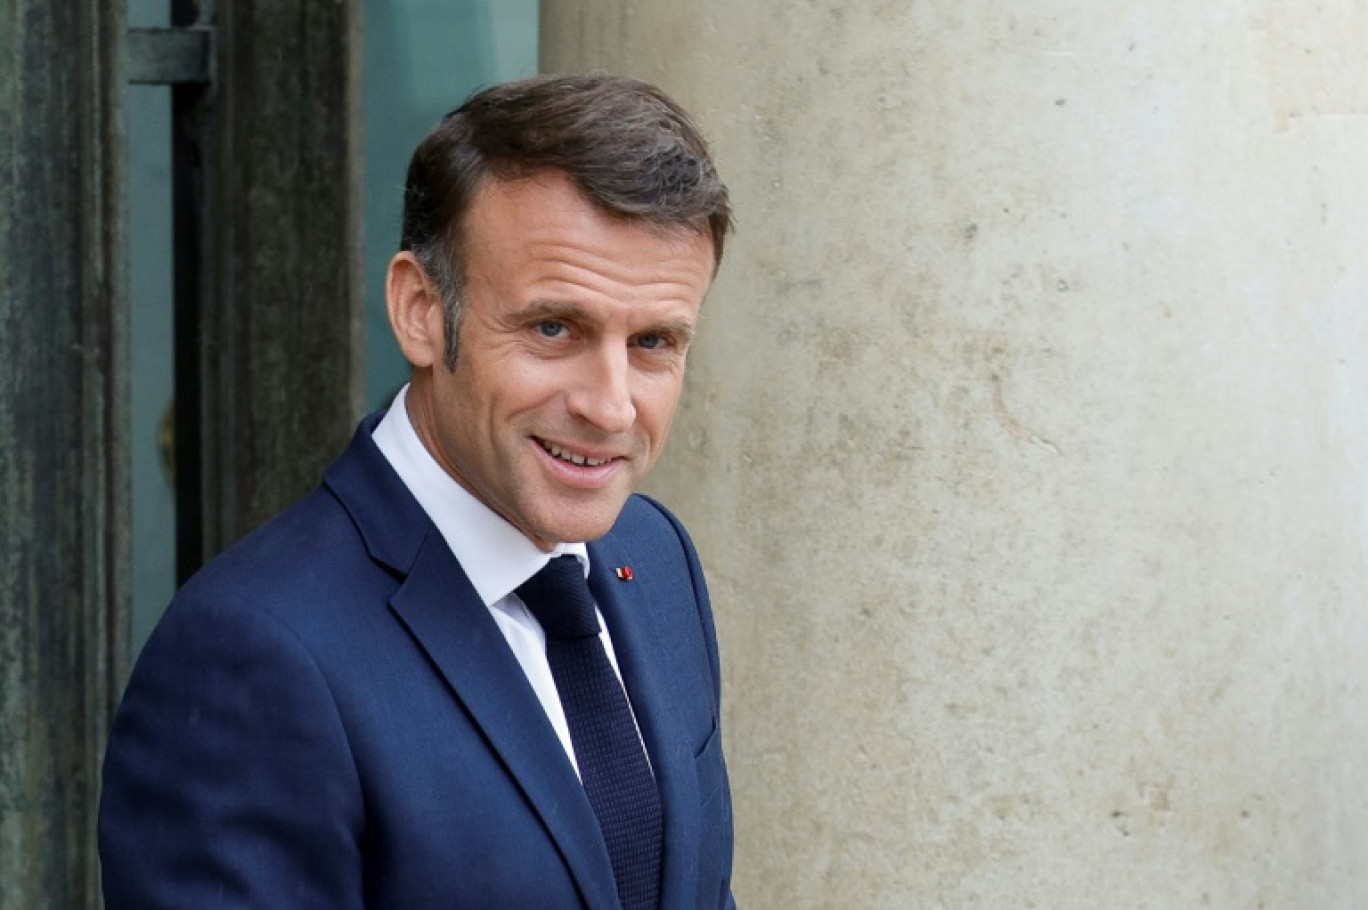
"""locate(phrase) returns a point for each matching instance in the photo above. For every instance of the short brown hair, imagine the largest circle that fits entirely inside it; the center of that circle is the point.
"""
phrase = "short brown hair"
(631, 150)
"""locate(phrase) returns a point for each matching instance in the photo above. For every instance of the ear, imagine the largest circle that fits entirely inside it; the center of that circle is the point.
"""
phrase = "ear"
(415, 311)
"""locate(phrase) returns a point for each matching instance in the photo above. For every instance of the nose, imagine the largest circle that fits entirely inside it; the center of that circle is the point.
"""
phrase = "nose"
(601, 393)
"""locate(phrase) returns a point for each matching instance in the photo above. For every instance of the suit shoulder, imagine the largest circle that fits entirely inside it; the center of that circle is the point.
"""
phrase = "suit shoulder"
(308, 555)
(645, 514)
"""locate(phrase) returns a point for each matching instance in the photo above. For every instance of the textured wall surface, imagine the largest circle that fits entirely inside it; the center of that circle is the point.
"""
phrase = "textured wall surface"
(1026, 443)
(64, 538)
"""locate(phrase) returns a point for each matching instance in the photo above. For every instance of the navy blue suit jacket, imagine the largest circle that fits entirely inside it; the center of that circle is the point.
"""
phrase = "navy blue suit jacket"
(328, 717)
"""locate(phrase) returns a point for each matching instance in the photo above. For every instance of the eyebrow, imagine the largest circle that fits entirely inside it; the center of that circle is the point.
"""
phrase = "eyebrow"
(677, 328)
(546, 309)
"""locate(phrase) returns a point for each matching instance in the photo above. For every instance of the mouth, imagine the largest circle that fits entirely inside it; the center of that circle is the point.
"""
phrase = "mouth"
(574, 458)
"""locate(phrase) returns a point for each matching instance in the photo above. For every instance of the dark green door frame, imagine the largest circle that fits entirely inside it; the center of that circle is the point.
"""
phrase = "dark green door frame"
(64, 547)
(267, 162)
(275, 140)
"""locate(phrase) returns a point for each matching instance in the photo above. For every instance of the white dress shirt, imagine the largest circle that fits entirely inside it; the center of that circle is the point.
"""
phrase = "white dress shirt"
(496, 557)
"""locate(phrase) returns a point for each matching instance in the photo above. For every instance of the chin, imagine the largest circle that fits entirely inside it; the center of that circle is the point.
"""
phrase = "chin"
(582, 529)
(585, 533)
(582, 521)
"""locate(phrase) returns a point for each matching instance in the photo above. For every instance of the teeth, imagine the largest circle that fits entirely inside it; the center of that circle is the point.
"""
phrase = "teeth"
(573, 457)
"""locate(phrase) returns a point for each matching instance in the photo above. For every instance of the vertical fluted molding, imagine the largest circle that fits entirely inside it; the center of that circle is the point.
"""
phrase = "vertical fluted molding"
(64, 526)
(281, 344)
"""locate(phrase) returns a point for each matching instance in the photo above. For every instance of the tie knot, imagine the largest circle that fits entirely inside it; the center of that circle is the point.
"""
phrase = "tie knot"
(559, 597)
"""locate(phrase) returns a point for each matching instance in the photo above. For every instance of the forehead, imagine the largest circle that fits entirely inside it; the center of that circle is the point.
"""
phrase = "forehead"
(545, 218)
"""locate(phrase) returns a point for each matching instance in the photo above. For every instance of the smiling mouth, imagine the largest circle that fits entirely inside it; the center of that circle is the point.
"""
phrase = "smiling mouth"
(566, 455)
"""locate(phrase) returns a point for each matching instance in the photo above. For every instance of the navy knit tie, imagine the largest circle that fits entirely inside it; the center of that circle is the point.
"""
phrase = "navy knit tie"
(612, 763)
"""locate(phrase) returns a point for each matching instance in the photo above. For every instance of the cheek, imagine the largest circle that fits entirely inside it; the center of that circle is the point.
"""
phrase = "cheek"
(523, 385)
(657, 409)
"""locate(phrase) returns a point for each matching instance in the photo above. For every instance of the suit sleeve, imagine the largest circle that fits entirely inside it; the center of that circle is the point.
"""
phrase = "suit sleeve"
(228, 781)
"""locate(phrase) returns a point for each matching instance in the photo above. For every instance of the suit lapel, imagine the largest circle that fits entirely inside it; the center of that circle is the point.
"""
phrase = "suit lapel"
(441, 610)
(632, 611)
(451, 623)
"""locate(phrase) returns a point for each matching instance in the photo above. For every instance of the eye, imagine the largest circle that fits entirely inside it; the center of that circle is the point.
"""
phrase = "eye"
(651, 341)
(550, 328)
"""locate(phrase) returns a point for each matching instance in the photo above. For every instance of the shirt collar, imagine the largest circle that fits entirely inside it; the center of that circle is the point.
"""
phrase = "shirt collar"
(496, 557)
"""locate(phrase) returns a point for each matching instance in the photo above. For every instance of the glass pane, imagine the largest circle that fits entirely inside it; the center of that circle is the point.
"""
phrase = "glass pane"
(423, 57)
(152, 380)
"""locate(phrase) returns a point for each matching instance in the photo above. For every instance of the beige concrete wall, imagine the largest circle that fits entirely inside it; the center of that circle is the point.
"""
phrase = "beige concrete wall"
(1026, 443)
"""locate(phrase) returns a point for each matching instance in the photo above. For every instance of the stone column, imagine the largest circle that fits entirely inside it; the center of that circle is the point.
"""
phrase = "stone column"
(1026, 443)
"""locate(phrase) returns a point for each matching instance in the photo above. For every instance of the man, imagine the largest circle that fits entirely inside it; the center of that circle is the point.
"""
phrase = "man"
(371, 701)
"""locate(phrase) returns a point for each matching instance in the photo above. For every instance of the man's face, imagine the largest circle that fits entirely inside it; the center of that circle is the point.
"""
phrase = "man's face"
(571, 357)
